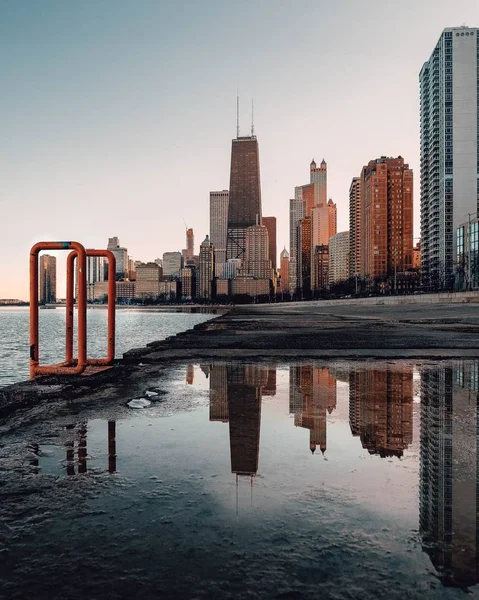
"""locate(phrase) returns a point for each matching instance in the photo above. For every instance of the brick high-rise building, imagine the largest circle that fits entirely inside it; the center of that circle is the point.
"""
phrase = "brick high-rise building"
(303, 252)
(355, 228)
(386, 224)
(449, 104)
(219, 225)
(270, 224)
(320, 268)
(48, 279)
(244, 207)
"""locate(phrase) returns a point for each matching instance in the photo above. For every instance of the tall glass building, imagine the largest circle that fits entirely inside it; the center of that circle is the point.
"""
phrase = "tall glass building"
(449, 86)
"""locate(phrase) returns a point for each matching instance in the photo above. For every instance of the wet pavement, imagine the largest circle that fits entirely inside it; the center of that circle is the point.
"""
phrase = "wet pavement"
(305, 480)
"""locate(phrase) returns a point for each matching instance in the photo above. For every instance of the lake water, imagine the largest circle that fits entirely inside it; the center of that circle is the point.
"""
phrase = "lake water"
(318, 480)
(134, 328)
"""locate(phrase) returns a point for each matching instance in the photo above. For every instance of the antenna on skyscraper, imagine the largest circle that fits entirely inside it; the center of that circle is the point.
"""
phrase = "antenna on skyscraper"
(252, 117)
(237, 113)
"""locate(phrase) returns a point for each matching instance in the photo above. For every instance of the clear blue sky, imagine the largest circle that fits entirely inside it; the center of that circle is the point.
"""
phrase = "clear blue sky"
(117, 116)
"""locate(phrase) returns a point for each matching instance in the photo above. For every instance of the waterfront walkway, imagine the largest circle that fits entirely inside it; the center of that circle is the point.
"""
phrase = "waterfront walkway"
(314, 329)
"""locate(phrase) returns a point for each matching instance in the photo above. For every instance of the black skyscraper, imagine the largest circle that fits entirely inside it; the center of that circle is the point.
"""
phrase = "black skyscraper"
(245, 194)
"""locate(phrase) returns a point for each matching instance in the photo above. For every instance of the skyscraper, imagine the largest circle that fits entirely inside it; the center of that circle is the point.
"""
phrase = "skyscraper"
(355, 229)
(172, 263)
(270, 224)
(303, 250)
(48, 279)
(148, 277)
(319, 176)
(244, 208)
(296, 213)
(190, 243)
(207, 269)
(257, 261)
(121, 255)
(386, 223)
(95, 272)
(322, 215)
(449, 86)
(219, 225)
(284, 269)
(339, 257)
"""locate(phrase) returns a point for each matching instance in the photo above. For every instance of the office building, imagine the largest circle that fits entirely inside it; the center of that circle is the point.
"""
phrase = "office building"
(148, 277)
(48, 279)
(95, 272)
(296, 213)
(319, 177)
(121, 256)
(125, 291)
(207, 269)
(172, 263)
(332, 218)
(219, 225)
(188, 281)
(249, 286)
(244, 207)
(190, 243)
(449, 87)
(270, 224)
(257, 263)
(284, 270)
(339, 258)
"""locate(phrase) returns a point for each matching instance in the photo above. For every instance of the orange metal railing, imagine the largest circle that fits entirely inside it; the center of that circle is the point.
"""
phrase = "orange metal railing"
(71, 366)
(62, 369)
(111, 307)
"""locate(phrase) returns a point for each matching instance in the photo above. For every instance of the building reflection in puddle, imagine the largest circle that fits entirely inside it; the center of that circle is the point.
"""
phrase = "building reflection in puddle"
(449, 500)
(380, 409)
(381, 400)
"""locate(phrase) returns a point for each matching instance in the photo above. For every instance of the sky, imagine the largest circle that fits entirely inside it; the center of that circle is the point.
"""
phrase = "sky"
(117, 116)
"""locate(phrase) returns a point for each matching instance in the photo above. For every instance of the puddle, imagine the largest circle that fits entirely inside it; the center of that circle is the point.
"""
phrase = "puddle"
(347, 480)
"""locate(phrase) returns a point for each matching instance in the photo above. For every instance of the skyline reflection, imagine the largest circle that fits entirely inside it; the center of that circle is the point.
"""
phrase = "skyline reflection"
(381, 417)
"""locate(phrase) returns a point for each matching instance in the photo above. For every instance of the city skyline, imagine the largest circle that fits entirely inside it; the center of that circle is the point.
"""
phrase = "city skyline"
(80, 133)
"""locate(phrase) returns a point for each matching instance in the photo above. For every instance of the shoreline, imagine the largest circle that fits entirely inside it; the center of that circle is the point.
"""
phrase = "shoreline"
(276, 333)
